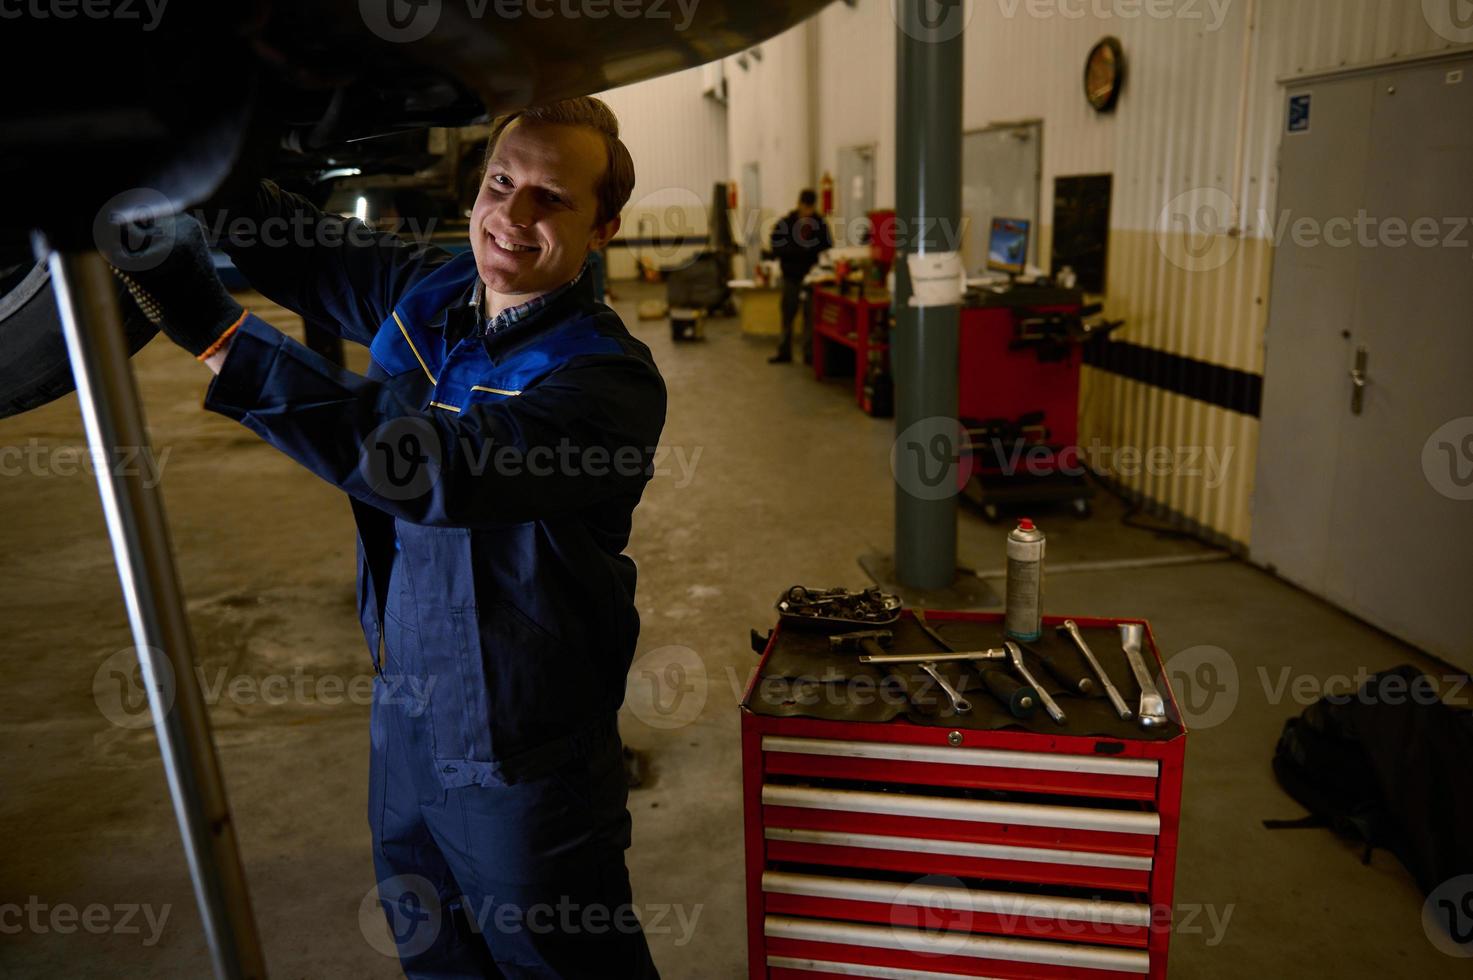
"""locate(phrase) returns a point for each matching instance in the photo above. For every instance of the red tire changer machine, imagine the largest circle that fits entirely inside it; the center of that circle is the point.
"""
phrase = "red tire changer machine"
(930, 819)
(1019, 349)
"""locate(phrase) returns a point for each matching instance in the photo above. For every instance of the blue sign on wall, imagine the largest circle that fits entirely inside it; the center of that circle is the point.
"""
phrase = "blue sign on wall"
(1299, 113)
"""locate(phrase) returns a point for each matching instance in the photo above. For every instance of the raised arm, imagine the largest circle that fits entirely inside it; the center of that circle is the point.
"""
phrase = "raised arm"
(583, 435)
(336, 271)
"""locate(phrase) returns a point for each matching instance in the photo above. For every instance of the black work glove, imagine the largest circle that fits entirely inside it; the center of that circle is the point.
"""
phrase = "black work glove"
(166, 265)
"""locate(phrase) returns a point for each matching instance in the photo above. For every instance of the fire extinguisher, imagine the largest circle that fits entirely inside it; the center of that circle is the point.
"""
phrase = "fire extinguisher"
(731, 195)
(826, 194)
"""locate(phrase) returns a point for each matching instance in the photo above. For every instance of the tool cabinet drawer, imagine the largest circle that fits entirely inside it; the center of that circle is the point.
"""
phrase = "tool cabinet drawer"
(927, 856)
(918, 851)
(945, 765)
(943, 903)
(951, 818)
(794, 943)
(898, 831)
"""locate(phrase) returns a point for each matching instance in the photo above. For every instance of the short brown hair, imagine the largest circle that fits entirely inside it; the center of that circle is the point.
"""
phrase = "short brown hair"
(617, 183)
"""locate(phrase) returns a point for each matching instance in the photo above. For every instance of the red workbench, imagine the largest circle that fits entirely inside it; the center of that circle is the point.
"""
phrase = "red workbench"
(848, 321)
(954, 846)
(994, 380)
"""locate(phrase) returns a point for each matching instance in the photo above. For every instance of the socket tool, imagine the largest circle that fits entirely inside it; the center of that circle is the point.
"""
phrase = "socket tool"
(1018, 699)
(1015, 657)
(927, 662)
(837, 609)
(874, 642)
(1071, 630)
(1153, 706)
(934, 658)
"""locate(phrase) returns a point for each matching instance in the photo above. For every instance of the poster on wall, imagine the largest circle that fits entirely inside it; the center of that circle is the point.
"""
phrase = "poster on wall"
(1081, 231)
(1299, 113)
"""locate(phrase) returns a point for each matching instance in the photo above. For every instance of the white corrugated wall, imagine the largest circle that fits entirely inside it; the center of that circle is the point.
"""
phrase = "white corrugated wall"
(768, 124)
(1175, 150)
(856, 89)
(677, 137)
(1174, 147)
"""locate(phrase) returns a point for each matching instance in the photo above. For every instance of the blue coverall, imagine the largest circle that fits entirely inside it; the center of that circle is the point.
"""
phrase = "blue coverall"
(492, 480)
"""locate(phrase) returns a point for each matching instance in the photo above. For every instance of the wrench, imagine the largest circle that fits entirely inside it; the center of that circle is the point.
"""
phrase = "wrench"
(1072, 630)
(959, 704)
(1015, 657)
(1153, 707)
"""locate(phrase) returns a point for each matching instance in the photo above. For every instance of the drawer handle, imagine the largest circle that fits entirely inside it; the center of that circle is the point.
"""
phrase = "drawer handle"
(946, 755)
(972, 811)
(957, 899)
(953, 848)
(1070, 956)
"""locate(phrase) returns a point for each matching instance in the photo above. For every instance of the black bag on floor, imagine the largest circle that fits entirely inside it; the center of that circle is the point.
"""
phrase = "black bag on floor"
(1390, 765)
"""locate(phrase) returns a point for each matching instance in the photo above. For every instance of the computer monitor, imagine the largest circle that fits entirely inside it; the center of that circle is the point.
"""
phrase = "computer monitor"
(1007, 248)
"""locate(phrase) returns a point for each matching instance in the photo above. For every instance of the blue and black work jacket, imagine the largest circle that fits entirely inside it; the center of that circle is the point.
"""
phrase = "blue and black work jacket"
(492, 478)
(797, 242)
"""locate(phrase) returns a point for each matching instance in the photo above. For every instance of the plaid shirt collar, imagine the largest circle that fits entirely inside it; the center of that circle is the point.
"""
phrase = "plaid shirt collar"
(514, 314)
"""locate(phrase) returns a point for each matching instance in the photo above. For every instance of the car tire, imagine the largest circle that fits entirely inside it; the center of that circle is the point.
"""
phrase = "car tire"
(34, 366)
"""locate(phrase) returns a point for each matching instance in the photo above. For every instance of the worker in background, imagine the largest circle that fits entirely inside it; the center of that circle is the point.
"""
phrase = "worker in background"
(493, 457)
(798, 238)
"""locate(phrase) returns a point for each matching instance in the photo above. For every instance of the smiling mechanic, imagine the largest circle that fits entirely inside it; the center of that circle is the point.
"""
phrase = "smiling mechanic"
(493, 454)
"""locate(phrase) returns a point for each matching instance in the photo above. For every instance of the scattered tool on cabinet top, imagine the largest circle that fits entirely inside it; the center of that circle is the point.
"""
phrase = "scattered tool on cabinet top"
(956, 669)
(1071, 629)
(856, 655)
(875, 755)
(838, 608)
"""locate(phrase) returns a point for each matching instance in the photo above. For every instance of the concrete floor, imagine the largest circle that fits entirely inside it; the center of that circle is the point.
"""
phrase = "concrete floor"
(790, 484)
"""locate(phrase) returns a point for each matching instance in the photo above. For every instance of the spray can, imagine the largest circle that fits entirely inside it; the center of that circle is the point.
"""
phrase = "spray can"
(1023, 618)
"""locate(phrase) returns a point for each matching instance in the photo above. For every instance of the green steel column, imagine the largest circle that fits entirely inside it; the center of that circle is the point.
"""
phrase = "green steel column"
(928, 127)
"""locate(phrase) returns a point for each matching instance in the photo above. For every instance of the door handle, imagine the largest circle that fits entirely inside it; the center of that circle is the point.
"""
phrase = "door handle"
(1358, 381)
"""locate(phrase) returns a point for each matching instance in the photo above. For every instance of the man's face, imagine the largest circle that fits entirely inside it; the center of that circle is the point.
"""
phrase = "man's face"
(805, 210)
(533, 222)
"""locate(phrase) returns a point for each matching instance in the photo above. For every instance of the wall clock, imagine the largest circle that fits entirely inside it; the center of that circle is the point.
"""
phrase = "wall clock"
(1104, 74)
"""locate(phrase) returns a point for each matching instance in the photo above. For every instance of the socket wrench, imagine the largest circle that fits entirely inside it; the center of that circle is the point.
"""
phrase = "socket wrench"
(1153, 706)
(1071, 629)
(1015, 657)
(933, 658)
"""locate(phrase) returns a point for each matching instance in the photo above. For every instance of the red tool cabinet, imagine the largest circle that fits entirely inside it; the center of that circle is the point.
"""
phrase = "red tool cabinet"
(900, 849)
(857, 322)
(998, 381)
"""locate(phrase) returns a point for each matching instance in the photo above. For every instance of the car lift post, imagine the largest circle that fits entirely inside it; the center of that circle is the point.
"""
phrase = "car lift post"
(928, 126)
(113, 417)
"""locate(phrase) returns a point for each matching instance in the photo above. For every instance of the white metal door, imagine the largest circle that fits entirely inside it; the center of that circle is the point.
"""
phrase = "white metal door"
(1368, 499)
(854, 193)
(749, 212)
(1000, 174)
